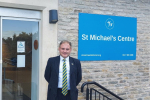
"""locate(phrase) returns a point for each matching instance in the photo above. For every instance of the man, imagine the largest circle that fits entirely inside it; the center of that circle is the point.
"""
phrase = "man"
(63, 73)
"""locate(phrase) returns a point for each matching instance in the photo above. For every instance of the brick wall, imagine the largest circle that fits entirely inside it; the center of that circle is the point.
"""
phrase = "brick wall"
(129, 79)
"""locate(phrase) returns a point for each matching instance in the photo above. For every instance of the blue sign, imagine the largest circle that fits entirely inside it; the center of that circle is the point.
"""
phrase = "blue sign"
(103, 37)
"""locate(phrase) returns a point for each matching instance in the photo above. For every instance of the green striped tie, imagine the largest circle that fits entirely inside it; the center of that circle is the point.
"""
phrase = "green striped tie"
(64, 84)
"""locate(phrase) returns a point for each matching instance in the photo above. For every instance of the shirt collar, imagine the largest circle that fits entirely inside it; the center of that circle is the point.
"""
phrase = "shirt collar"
(61, 58)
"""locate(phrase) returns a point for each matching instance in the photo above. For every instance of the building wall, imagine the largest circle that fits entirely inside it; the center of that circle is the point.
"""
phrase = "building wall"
(130, 79)
(48, 34)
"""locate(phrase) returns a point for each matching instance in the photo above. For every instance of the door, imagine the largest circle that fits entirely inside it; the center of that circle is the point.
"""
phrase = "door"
(19, 58)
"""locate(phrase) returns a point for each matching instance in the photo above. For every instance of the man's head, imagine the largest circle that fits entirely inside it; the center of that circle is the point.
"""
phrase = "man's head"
(65, 48)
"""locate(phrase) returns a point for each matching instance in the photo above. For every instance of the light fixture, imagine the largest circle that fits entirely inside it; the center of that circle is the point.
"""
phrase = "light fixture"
(53, 16)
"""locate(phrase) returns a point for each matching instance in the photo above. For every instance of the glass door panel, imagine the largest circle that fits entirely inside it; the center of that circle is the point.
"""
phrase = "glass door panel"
(20, 59)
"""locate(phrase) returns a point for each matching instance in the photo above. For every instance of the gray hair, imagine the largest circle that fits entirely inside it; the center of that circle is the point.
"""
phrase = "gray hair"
(65, 41)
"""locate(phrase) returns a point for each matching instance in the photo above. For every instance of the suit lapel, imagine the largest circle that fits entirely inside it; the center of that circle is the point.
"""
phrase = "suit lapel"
(71, 65)
(57, 61)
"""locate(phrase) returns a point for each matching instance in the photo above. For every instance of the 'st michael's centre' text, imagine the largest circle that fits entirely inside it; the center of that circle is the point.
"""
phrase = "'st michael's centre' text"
(107, 38)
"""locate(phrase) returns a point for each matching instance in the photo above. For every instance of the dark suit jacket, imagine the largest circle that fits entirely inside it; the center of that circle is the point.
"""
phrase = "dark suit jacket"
(52, 73)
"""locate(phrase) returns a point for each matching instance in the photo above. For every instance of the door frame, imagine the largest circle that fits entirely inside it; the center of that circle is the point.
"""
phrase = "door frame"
(24, 15)
(0, 59)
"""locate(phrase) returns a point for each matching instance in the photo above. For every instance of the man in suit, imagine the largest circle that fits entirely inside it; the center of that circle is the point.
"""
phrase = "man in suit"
(62, 86)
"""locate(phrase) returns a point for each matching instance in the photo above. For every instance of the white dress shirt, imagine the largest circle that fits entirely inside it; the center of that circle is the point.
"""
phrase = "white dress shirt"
(60, 78)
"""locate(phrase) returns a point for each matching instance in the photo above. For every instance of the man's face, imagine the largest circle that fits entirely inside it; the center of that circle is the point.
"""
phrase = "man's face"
(65, 50)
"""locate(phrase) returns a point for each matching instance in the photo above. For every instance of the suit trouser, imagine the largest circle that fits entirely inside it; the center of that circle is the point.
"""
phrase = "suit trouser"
(60, 96)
